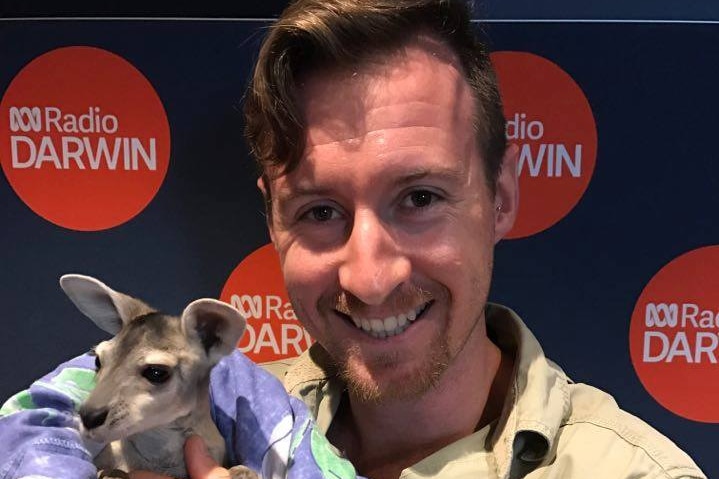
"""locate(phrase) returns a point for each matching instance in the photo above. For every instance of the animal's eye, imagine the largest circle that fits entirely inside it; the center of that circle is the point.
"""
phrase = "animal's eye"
(98, 364)
(156, 374)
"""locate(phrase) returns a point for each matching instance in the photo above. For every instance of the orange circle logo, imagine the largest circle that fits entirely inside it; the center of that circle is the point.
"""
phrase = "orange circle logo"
(551, 121)
(257, 289)
(84, 138)
(674, 335)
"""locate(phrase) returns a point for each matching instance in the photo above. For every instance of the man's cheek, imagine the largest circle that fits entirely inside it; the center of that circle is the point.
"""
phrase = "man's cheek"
(304, 284)
(299, 273)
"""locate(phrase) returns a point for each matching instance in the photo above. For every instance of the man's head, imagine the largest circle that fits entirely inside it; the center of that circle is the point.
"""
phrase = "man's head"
(313, 36)
(390, 185)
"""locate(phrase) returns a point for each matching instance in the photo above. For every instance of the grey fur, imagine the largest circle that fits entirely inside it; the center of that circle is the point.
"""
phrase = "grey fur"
(145, 422)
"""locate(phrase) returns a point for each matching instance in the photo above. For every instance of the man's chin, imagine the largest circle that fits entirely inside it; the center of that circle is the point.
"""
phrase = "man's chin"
(389, 379)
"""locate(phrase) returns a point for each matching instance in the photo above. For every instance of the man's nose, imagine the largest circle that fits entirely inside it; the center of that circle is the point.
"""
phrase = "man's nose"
(374, 264)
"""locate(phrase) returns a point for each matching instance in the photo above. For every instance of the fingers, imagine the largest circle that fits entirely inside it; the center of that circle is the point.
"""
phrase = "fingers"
(200, 465)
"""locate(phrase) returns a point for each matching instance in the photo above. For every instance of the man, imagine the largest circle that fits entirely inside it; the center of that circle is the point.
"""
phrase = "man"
(386, 225)
(379, 131)
(380, 135)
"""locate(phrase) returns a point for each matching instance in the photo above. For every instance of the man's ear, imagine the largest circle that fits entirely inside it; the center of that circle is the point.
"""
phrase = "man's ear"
(263, 184)
(506, 197)
(215, 325)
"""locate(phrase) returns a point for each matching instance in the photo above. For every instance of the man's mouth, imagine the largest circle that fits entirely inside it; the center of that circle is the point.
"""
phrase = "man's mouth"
(381, 328)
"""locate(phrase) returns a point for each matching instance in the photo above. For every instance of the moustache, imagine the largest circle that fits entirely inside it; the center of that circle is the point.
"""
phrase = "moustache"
(408, 297)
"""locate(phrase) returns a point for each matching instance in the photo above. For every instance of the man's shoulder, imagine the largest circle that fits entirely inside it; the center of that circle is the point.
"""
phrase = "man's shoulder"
(596, 429)
(278, 368)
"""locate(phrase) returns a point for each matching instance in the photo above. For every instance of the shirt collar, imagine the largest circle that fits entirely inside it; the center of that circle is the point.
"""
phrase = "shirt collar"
(537, 403)
(535, 407)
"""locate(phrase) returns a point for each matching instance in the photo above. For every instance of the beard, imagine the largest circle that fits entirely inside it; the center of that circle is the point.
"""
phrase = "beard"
(390, 376)
(378, 381)
(387, 377)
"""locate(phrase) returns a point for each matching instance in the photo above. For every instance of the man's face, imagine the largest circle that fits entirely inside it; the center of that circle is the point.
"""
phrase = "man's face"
(386, 229)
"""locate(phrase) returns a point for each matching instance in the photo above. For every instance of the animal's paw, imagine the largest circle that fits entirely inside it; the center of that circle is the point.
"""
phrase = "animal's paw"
(243, 472)
(112, 474)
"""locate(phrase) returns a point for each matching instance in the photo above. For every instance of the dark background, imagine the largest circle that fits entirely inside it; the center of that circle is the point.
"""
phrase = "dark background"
(490, 9)
(653, 197)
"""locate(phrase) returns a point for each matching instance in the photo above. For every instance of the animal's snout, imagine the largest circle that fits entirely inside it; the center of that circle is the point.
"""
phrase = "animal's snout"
(92, 418)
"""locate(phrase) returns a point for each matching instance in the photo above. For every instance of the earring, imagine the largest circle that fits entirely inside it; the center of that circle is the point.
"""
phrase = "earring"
(498, 207)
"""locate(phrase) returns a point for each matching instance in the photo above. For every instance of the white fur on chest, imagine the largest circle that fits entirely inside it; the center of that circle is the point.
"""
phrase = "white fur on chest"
(158, 450)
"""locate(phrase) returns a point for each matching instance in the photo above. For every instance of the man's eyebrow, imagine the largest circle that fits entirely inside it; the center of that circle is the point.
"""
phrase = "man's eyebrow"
(299, 191)
(449, 174)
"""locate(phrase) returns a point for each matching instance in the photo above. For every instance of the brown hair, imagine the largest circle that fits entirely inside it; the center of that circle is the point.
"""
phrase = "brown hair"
(312, 35)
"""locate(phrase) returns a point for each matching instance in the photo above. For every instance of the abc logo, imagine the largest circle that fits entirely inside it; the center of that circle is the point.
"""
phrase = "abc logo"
(256, 288)
(84, 138)
(674, 335)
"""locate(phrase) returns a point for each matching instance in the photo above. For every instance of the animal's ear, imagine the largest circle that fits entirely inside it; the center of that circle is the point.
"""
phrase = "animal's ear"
(216, 325)
(106, 307)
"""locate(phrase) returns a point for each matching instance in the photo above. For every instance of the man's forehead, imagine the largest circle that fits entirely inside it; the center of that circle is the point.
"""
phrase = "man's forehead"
(422, 71)
(415, 90)
(420, 85)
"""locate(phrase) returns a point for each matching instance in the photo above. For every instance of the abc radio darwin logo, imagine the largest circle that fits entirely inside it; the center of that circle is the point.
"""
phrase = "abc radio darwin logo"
(84, 138)
(551, 122)
(257, 289)
(674, 335)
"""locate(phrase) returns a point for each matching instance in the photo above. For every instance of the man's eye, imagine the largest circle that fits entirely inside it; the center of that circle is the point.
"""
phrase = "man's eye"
(420, 199)
(322, 213)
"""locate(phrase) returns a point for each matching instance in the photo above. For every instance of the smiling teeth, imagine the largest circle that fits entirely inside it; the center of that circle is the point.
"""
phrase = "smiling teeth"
(389, 326)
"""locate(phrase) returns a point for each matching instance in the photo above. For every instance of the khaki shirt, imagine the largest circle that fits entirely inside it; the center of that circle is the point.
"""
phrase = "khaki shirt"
(550, 428)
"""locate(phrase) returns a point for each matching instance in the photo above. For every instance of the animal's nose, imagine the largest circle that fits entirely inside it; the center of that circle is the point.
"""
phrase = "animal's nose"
(92, 418)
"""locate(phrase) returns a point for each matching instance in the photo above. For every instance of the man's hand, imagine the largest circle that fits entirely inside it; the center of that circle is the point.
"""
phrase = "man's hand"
(200, 465)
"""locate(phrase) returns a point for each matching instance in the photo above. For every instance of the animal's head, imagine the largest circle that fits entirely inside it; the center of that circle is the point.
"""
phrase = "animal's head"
(155, 368)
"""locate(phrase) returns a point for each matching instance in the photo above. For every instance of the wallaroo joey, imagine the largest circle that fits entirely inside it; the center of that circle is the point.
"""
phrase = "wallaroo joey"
(152, 384)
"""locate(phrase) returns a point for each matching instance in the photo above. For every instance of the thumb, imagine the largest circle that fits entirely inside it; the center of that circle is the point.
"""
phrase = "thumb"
(200, 464)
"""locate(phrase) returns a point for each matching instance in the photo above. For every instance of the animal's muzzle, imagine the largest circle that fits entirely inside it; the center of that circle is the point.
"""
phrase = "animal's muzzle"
(92, 418)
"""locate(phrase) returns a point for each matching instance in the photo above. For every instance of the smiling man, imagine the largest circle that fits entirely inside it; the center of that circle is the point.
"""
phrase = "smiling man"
(385, 231)
(379, 130)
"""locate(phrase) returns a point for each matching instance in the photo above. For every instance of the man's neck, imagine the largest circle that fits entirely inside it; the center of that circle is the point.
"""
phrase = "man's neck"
(382, 439)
